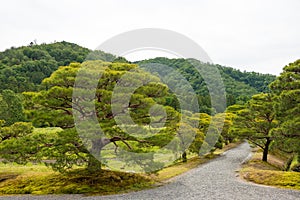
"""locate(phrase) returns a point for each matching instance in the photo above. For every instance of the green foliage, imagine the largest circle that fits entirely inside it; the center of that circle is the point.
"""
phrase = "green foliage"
(234, 109)
(197, 142)
(256, 122)
(11, 109)
(239, 86)
(21, 144)
(15, 143)
(53, 107)
(225, 119)
(256, 80)
(47, 96)
(287, 105)
(101, 55)
(18, 129)
(63, 148)
(24, 68)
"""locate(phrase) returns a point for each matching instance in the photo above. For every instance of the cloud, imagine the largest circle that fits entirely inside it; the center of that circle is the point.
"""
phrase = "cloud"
(251, 35)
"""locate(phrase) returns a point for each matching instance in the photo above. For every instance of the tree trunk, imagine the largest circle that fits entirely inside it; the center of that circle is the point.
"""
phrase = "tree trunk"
(184, 158)
(288, 163)
(94, 165)
(266, 150)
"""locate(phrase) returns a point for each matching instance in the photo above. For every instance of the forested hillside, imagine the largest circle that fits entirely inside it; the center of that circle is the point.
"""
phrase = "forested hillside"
(256, 80)
(24, 68)
(52, 104)
(240, 86)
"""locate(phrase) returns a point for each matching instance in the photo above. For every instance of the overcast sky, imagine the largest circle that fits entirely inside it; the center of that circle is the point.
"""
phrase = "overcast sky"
(251, 35)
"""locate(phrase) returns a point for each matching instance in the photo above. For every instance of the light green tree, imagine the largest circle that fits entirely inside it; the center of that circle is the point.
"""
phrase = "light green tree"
(54, 106)
(14, 145)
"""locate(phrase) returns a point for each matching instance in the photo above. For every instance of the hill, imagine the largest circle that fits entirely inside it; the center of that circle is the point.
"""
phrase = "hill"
(239, 86)
(256, 80)
(23, 69)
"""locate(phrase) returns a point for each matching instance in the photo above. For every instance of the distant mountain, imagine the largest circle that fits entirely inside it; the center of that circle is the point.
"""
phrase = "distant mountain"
(256, 80)
(23, 68)
(239, 86)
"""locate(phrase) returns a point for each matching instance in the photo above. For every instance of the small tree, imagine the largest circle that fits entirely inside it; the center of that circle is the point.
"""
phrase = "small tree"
(14, 146)
(11, 109)
(225, 119)
(256, 121)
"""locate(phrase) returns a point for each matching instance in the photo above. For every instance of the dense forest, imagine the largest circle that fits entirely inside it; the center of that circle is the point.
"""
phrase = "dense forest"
(37, 85)
(239, 86)
(24, 68)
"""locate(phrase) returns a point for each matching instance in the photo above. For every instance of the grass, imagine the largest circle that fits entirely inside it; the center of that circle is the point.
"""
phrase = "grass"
(39, 179)
(21, 169)
(270, 173)
(78, 181)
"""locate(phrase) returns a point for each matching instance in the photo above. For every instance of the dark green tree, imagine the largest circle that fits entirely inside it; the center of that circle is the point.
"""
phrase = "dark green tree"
(256, 121)
(11, 109)
(286, 88)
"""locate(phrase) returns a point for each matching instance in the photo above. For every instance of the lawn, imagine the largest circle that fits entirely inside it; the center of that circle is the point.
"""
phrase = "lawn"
(39, 179)
(270, 173)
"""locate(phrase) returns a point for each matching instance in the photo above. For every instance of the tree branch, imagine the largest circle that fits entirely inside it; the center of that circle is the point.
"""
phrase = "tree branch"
(256, 143)
(117, 138)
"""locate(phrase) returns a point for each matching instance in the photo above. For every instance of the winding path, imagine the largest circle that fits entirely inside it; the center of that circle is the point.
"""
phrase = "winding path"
(213, 180)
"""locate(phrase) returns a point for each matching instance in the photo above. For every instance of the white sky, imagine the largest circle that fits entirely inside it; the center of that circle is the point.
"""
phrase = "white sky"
(251, 35)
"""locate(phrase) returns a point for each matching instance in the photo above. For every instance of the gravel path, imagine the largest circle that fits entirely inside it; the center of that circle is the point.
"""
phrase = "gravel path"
(214, 180)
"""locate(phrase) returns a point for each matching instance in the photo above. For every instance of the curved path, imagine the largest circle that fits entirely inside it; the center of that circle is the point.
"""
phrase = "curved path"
(213, 180)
